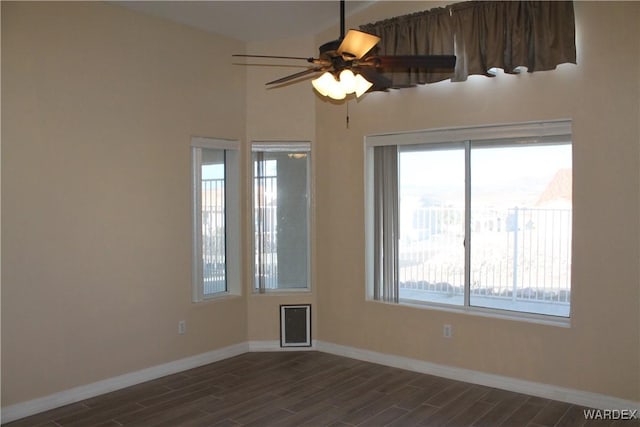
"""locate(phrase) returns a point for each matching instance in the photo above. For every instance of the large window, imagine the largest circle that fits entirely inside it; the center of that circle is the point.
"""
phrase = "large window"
(281, 216)
(216, 254)
(478, 219)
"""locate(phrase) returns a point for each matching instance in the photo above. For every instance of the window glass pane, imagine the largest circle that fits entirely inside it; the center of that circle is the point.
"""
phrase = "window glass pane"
(213, 221)
(280, 220)
(431, 210)
(521, 228)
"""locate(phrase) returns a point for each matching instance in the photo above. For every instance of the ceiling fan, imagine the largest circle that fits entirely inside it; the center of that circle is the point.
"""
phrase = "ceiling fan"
(349, 64)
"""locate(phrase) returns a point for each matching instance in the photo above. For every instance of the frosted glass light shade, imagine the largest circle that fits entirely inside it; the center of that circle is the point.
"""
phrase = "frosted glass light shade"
(348, 81)
(323, 83)
(361, 85)
(327, 85)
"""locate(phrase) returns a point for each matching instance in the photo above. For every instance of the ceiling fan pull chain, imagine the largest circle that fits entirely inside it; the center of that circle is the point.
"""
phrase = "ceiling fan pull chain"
(347, 113)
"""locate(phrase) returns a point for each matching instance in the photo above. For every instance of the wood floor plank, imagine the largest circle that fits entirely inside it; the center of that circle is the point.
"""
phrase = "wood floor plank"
(448, 394)
(179, 419)
(343, 396)
(505, 405)
(598, 423)
(551, 413)
(385, 417)
(525, 413)
(373, 408)
(323, 394)
(264, 412)
(409, 397)
(272, 418)
(574, 417)
(626, 423)
(415, 417)
(431, 382)
(393, 381)
(224, 423)
(144, 413)
(46, 418)
(469, 415)
(309, 388)
(95, 416)
(208, 420)
(496, 396)
(324, 419)
(456, 406)
(236, 407)
(309, 413)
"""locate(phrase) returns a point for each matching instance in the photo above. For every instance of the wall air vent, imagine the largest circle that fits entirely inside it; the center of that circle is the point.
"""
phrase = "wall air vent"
(295, 325)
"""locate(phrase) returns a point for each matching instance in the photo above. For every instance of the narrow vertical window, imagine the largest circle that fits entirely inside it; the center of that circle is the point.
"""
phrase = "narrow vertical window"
(213, 211)
(215, 208)
(281, 216)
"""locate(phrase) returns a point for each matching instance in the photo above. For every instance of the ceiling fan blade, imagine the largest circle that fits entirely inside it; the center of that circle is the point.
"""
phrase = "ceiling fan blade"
(356, 44)
(379, 81)
(447, 62)
(296, 75)
(275, 57)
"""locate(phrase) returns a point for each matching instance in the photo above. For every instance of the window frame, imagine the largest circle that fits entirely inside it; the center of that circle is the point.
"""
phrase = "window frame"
(282, 147)
(538, 132)
(233, 251)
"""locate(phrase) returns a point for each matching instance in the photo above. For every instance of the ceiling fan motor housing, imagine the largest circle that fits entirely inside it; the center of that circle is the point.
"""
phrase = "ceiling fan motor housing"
(329, 49)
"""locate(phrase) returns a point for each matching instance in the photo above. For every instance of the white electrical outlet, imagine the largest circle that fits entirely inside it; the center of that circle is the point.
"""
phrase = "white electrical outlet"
(447, 331)
(182, 327)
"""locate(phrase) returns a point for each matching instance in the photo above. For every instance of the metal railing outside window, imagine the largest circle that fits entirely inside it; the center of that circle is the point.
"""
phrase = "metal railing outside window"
(213, 236)
(526, 254)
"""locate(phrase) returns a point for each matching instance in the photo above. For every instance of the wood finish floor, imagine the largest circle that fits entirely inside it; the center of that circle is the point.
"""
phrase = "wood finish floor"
(310, 389)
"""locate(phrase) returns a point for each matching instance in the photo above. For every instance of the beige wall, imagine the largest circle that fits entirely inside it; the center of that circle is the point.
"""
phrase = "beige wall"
(99, 104)
(281, 113)
(600, 352)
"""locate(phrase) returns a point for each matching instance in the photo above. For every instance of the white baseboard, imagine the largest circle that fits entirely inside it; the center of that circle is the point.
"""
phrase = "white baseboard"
(66, 397)
(257, 346)
(577, 397)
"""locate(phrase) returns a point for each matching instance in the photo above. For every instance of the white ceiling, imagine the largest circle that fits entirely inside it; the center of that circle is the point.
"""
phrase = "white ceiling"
(252, 20)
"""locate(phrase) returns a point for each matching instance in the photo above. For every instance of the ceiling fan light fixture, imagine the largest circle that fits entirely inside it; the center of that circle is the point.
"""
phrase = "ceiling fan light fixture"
(327, 85)
(323, 83)
(361, 85)
(337, 92)
(348, 81)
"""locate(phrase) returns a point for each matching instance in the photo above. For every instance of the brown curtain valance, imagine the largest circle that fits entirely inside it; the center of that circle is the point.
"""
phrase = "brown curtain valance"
(538, 35)
(423, 33)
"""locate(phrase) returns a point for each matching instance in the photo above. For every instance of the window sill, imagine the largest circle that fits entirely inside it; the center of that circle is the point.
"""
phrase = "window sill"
(283, 291)
(222, 296)
(541, 319)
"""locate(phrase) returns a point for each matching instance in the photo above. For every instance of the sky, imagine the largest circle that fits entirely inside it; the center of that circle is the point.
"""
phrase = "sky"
(499, 175)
